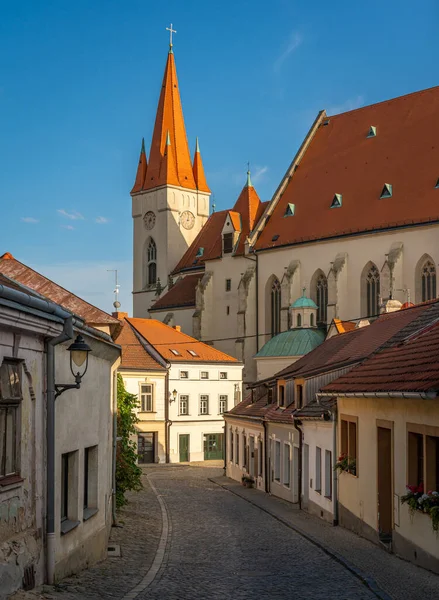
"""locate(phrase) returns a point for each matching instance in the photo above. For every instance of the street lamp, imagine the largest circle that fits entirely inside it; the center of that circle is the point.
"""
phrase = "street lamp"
(173, 396)
(79, 351)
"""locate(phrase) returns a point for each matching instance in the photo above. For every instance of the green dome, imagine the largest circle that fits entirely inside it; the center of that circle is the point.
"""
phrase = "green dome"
(294, 342)
(304, 302)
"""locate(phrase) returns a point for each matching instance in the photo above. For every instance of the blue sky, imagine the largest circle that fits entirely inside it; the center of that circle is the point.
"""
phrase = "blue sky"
(79, 84)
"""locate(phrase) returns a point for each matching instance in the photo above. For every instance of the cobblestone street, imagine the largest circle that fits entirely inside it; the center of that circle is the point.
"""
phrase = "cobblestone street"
(215, 544)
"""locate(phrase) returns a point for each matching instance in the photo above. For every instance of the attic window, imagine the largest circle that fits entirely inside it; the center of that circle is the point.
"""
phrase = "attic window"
(289, 212)
(372, 131)
(275, 237)
(437, 184)
(337, 201)
(192, 353)
(228, 243)
(387, 191)
(325, 123)
(200, 252)
(175, 352)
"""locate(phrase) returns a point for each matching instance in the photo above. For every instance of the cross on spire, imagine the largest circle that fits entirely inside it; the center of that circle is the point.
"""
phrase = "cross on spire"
(171, 31)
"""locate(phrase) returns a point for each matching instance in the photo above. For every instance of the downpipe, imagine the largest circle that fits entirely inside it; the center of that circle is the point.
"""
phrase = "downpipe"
(113, 496)
(66, 335)
(296, 426)
(334, 471)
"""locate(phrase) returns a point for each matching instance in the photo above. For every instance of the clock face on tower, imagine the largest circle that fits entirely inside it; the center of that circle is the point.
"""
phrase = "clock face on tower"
(187, 219)
(149, 219)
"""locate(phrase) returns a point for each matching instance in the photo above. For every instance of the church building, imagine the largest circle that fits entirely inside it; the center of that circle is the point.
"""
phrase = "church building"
(354, 221)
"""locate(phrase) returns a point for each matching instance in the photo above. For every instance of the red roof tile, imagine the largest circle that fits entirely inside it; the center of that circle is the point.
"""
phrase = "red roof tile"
(181, 294)
(341, 159)
(247, 408)
(134, 355)
(92, 315)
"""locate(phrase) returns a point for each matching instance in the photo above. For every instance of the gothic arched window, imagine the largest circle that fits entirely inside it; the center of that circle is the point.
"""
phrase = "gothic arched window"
(299, 320)
(428, 280)
(322, 298)
(372, 290)
(275, 307)
(151, 255)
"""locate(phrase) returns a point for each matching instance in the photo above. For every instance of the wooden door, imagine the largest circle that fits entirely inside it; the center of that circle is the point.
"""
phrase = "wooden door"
(183, 444)
(385, 505)
(146, 447)
(213, 446)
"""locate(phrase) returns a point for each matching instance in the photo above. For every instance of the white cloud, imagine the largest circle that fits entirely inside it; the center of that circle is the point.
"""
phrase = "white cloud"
(69, 227)
(349, 104)
(29, 220)
(258, 173)
(294, 42)
(74, 215)
(102, 220)
(92, 282)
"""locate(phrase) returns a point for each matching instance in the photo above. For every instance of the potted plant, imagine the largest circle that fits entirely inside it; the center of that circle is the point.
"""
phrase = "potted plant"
(425, 502)
(346, 464)
(247, 481)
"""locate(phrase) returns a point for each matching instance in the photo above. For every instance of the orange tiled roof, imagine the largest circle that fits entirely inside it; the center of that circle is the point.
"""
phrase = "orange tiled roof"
(92, 315)
(343, 326)
(165, 338)
(141, 170)
(134, 355)
(169, 118)
(200, 178)
(342, 159)
(235, 217)
(182, 293)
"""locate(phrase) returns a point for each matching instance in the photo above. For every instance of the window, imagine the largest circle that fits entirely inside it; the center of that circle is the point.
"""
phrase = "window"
(386, 191)
(328, 474)
(281, 395)
(222, 404)
(287, 464)
(223, 375)
(146, 397)
(228, 285)
(322, 299)
(184, 405)
(152, 262)
(227, 243)
(204, 375)
(90, 500)
(290, 210)
(175, 352)
(349, 443)
(204, 405)
(372, 291)
(275, 296)
(237, 449)
(231, 446)
(192, 353)
(277, 460)
(415, 458)
(337, 201)
(64, 487)
(69, 490)
(428, 281)
(432, 462)
(299, 320)
(299, 391)
(227, 310)
(260, 458)
(10, 400)
(318, 486)
(311, 320)
(423, 457)
(244, 452)
(184, 374)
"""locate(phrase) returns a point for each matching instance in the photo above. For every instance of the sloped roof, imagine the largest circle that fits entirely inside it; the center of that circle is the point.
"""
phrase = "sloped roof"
(247, 408)
(181, 294)
(199, 176)
(165, 339)
(344, 326)
(92, 315)
(134, 355)
(316, 409)
(304, 302)
(354, 345)
(342, 159)
(409, 362)
(294, 342)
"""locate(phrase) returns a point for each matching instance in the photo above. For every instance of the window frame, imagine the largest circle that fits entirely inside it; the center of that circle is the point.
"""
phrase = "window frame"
(228, 285)
(206, 373)
(430, 466)
(181, 376)
(328, 474)
(345, 448)
(277, 460)
(183, 398)
(286, 470)
(10, 404)
(228, 243)
(318, 473)
(221, 399)
(142, 394)
(203, 398)
(221, 373)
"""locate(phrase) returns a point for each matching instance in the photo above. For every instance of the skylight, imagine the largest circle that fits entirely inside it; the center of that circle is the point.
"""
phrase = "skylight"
(200, 252)
(290, 210)
(387, 191)
(372, 131)
(175, 352)
(275, 237)
(437, 184)
(192, 353)
(337, 201)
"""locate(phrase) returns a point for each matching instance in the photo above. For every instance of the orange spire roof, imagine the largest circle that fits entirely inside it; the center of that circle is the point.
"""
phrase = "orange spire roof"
(170, 119)
(168, 172)
(248, 204)
(141, 170)
(199, 176)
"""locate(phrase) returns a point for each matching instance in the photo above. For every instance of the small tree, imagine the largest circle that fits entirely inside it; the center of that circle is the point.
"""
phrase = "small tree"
(128, 474)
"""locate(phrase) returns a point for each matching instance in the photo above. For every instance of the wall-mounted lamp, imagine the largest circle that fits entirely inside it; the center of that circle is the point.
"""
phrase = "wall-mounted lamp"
(173, 396)
(79, 351)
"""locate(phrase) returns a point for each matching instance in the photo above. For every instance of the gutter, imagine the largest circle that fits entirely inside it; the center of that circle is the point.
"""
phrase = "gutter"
(408, 395)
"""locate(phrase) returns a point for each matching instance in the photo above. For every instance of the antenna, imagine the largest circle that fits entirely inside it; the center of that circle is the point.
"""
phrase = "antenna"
(116, 302)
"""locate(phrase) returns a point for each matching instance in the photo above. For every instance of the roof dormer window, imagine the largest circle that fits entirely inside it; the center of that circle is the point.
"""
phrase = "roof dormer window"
(192, 353)
(200, 252)
(290, 210)
(228, 243)
(437, 184)
(387, 191)
(275, 237)
(372, 131)
(337, 201)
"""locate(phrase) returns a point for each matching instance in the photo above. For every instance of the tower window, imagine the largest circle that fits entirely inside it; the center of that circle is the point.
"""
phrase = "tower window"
(228, 285)
(152, 262)
(322, 298)
(373, 291)
(275, 307)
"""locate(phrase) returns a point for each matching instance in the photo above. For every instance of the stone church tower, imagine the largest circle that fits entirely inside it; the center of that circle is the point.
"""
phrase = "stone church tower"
(170, 198)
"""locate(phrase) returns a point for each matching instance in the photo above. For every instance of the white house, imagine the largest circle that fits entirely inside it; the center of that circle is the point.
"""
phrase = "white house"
(184, 388)
(57, 472)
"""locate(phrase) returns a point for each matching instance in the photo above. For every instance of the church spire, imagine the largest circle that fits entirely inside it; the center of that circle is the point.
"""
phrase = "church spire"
(248, 203)
(141, 170)
(168, 173)
(200, 179)
(170, 119)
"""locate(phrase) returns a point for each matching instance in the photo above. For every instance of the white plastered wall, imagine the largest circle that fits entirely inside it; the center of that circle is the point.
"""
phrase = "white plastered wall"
(317, 434)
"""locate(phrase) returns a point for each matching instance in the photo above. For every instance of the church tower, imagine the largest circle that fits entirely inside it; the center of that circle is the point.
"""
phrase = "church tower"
(170, 197)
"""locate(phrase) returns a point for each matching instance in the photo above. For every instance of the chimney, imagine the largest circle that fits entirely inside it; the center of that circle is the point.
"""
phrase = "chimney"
(120, 315)
(177, 327)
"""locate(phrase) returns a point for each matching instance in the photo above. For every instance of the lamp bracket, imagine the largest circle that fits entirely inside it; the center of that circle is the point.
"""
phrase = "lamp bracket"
(63, 387)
